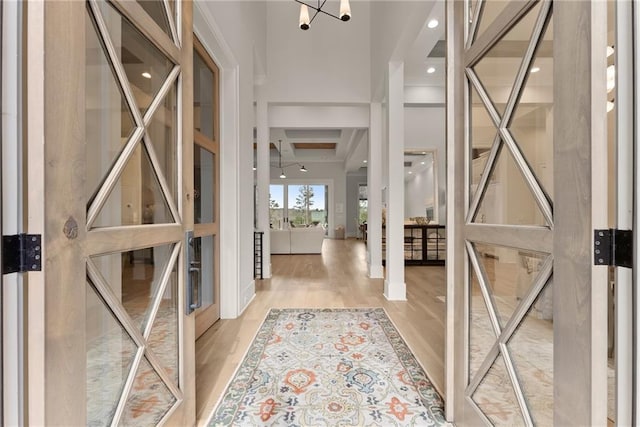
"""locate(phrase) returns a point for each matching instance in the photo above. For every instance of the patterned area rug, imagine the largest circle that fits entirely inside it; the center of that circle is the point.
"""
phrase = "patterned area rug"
(328, 367)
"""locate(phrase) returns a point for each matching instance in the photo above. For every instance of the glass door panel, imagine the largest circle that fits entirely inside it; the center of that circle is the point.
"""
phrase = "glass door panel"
(204, 256)
(206, 185)
(204, 95)
(298, 206)
(276, 207)
(132, 127)
(146, 67)
(204, 164)
(306, 205)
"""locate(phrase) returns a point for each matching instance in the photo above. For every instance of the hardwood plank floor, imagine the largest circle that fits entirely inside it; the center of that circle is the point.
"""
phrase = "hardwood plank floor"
(337, 278)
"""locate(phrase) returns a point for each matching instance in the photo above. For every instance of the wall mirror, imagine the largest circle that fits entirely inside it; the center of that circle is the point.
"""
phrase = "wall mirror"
(421, 186)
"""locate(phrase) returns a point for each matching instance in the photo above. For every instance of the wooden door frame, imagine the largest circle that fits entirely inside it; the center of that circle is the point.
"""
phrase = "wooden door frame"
(580, 182)
(57, 336)
(205, 317)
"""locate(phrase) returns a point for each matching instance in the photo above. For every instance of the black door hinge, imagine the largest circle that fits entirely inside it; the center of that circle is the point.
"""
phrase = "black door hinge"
(613, 247)
(21, 253)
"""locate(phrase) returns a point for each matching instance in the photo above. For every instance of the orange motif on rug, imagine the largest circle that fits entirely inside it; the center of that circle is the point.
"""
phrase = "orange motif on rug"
(398, 409)
(352, 339)
(267, 409)
(299, 380)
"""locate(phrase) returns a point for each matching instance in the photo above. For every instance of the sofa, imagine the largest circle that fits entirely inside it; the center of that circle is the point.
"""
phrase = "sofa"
(297, 241)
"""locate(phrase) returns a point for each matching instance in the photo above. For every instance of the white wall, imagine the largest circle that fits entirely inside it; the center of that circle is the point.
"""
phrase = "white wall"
(394, 28)
(330, 62)
(425, 129)
(321, 173)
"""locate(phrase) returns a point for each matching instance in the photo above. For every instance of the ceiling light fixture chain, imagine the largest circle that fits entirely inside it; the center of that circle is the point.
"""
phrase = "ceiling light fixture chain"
(305, 21)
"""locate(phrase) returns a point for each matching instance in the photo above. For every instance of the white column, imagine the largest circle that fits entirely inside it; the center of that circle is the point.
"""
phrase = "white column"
(229, 205)
(374, 193)
(394, 285)
(262, 181)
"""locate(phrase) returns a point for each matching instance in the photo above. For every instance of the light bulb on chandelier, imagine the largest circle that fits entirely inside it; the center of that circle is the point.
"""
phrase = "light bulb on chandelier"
(283, 166)
(305, 19)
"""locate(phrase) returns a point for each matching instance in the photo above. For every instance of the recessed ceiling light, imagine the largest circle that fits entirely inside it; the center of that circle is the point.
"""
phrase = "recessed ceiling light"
(433, 23)
(422, 163)
(146, 75)
(535, 69)
(364, 161)
(431, 70)
(410, 172)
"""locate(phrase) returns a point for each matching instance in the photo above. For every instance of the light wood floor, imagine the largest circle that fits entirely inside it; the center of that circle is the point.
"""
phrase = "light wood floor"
(337, 278)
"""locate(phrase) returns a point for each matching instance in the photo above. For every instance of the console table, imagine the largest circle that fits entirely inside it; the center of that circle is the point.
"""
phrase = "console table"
(423, 244)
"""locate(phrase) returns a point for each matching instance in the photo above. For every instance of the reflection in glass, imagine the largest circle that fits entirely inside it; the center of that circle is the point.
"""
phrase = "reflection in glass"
(204, 182)
(508, 199)
(150, 399)
(155, 9)
(482, 135)
(145, 65)
(163, 340)
(203, 96)
(108, 120)
(490, 11)
(497, 70)
(204, 255)
(531, 350)
(532, 122)
(110, 354)
(136, 198)
(135, 278)
(481, 333)
(496, 399)
(511, 272)
(162, 131)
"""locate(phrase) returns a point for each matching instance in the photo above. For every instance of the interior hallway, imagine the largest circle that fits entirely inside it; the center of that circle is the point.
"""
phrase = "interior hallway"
(337, 278)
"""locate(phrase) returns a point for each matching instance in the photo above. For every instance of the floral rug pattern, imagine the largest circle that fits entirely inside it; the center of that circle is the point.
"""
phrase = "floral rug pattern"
(326, 367)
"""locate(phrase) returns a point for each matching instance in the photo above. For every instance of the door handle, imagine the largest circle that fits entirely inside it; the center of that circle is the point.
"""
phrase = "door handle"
(192, 276)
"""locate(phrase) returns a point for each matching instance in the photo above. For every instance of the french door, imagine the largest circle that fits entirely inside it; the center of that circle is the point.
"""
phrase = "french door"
(118, 174)
(527, 161)
(298, 205)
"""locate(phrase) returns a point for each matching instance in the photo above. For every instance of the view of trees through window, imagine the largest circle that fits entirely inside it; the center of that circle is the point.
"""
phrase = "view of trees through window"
(363, 203)
(298, 205)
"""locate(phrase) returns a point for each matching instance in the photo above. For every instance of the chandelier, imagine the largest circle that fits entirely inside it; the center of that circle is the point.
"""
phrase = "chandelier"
(305, 22)
(282, 166)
